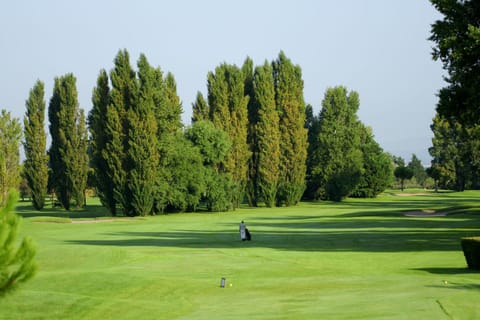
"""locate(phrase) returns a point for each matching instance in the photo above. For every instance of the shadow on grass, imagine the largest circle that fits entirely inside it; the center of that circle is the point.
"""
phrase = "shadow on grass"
(383, 234)
(26, 210)
(353, 225)
(448, 271)
(458, 286)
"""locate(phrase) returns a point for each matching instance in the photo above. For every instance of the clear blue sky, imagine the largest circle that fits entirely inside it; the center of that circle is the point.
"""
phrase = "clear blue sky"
(378, 48)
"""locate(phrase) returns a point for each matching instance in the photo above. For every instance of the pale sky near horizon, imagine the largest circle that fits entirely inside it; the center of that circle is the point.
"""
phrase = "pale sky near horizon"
(378, 48)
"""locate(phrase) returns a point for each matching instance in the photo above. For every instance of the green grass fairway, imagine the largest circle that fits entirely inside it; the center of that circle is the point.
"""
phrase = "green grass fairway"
(359, 259)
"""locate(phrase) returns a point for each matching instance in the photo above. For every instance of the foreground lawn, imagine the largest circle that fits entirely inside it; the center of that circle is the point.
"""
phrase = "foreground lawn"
(359, 259)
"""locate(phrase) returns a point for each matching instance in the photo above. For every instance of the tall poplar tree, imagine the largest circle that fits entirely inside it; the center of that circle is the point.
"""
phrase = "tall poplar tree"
(68, 151)
(251, 190)
(10, 137)
(143, 153)
(35, 145)
(267, 132)
(122, 97)
(293, 135)
(97, 121)
(228, 111)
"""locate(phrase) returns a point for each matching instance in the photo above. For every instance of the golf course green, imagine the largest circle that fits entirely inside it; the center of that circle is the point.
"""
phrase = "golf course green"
(394, 257)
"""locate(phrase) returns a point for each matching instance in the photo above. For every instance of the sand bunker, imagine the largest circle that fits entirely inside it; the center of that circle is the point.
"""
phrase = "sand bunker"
(425, 213)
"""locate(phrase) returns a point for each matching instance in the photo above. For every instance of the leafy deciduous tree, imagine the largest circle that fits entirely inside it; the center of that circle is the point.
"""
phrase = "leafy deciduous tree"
(337, 163)
(403, 173)
(457, 39)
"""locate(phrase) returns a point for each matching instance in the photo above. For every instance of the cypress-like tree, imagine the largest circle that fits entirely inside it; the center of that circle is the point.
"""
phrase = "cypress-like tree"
(17, 263)
(97, 121)
(228, 111)
(293, 135)
(35, 145)
(10, 137)
(267, 132)
(68, 151)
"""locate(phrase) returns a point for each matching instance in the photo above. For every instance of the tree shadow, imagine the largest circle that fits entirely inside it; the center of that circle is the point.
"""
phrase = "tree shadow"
(381, 235)
(448, 271)
(26, 210)
(364, 226)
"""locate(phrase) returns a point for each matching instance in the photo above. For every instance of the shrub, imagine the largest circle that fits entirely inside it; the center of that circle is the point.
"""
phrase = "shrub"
(471, 250)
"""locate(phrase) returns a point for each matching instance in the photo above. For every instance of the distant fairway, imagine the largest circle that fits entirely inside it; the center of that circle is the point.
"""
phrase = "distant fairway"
(359, 259)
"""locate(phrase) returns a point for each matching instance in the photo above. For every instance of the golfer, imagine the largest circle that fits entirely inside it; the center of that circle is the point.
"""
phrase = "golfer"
(243, 232)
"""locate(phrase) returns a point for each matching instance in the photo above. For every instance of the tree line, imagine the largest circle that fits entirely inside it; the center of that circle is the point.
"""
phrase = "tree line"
(252, 139)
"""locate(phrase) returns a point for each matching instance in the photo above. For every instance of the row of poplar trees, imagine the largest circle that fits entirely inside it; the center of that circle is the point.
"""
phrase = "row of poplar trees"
(253, 138)
(262, 111)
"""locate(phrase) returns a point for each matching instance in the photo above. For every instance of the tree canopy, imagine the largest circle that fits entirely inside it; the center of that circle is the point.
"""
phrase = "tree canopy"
(457, 46)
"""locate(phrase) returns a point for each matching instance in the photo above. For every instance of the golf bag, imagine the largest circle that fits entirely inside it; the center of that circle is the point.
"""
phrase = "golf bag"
(248, 236)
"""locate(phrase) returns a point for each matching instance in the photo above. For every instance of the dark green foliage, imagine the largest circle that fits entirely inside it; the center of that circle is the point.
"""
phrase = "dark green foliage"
(17, 263)
(377, 173)
(182, 176)
(122, 98)
(267, 133)
(403, 173)
(312, 123)
(97, 121)
(251, 191)
(457, 40)
(79, 164)
(418, 170)
(214, 146)
(142, 150)
(35, 145)
(228, 112)
(455, 149)
(471, 251)
(337, 163)
(10, 137)
(144, 159)
(288, 86)
(68, 151)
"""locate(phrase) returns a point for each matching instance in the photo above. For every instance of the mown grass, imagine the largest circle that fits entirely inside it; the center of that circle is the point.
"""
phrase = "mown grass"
(359, 259)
